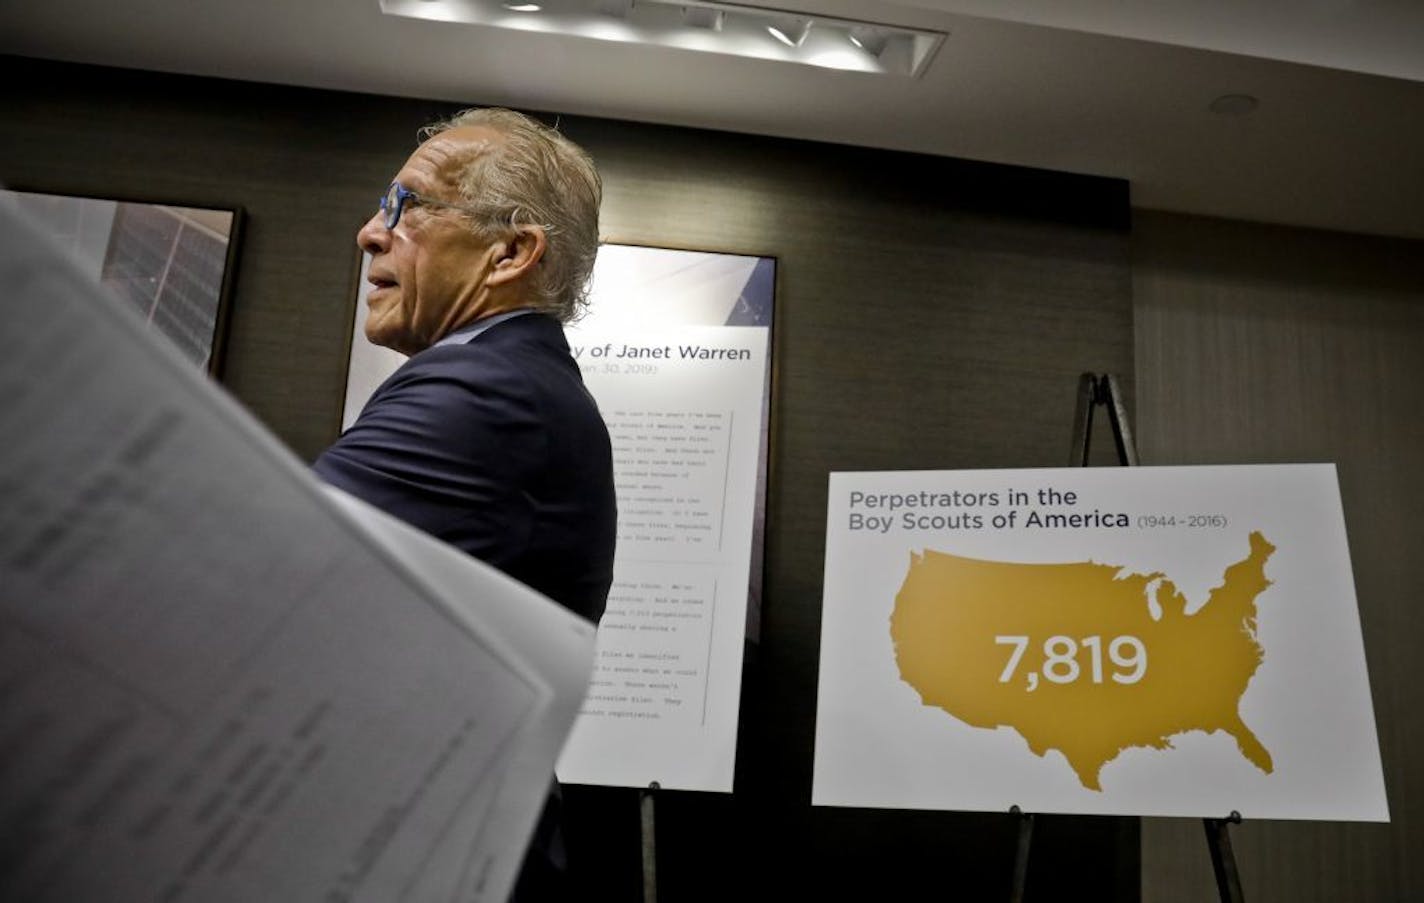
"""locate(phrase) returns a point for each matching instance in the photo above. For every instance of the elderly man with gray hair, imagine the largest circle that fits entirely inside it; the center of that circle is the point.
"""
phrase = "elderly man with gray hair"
(486, 437)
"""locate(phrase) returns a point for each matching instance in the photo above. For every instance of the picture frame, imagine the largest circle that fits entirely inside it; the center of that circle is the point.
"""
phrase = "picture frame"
(174, 264)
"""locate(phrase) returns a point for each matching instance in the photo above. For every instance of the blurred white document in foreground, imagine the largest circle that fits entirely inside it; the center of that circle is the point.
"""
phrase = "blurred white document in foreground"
(221, 682)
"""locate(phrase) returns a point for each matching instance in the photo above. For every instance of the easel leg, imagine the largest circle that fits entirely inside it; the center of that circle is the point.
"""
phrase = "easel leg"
(650, 852)
(1111, 395)
(1223, 861)
(1083, 420)
(1101, 390)
(1021, 850)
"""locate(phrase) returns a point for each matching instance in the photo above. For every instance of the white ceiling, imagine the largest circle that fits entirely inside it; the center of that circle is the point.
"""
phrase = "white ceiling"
(1092, 86)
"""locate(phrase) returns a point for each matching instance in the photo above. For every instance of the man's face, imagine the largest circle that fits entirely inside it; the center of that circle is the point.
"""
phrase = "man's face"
(428, 274)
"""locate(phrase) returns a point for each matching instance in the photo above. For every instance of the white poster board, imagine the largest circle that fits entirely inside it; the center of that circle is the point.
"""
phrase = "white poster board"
(1177, 641)
(676, 351)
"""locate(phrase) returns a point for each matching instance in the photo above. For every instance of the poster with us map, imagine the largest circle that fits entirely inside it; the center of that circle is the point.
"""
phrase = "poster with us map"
(1172, 641)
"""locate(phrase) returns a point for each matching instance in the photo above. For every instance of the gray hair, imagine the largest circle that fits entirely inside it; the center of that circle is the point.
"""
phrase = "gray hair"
(537, 177)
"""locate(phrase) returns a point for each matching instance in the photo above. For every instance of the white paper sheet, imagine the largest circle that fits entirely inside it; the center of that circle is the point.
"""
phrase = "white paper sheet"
(683, 407)
(558, 648)
(214, 684)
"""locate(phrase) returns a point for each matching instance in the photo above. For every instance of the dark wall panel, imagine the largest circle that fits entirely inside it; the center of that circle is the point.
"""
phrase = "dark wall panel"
(1260, 344)
(932, 313)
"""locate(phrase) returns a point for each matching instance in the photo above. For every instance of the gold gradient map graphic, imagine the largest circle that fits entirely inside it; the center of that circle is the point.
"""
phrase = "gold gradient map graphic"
(950, 609)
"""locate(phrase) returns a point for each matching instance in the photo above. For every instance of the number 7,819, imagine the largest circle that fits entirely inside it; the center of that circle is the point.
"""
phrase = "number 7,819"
(1060, 659)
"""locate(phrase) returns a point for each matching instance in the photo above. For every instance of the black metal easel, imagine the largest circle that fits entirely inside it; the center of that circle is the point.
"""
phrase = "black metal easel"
(1092, 392)
(1021, 848)
(1223, 862)
(1101, 390)
(646, 798)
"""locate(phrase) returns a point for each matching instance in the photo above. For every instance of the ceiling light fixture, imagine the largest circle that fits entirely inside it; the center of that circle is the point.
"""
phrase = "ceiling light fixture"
(870, 39)
(893, 50)
(703, 17)
(789, 30)
(706, 26)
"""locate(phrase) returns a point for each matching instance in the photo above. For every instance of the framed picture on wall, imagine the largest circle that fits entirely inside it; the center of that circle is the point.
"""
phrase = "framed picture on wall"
(173, 264)
(676, 349)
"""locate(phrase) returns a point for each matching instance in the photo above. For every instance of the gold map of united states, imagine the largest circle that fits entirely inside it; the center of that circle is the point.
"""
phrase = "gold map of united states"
(956, 622)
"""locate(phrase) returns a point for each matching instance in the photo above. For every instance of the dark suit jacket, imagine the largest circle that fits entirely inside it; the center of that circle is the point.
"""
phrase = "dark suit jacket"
(496, 447)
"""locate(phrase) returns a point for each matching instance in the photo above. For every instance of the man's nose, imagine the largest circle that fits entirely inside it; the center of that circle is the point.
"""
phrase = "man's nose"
(374, 237)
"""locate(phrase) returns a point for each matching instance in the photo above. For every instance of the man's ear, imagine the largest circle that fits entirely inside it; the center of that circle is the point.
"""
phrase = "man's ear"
(517, 255)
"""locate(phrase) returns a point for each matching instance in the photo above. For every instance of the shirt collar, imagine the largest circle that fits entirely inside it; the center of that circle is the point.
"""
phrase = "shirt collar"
(469, 331)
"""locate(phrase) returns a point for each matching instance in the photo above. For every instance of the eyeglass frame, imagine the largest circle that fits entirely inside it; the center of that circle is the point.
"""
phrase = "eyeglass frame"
(404, 195)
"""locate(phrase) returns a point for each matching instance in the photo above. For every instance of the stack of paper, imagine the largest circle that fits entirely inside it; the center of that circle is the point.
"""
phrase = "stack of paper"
(221, 682)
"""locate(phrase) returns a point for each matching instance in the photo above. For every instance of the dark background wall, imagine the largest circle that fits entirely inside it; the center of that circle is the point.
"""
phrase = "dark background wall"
(932, 313)
(1260, 344)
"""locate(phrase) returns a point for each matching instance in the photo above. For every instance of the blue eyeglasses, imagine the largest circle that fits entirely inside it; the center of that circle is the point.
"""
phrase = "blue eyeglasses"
(393, 202)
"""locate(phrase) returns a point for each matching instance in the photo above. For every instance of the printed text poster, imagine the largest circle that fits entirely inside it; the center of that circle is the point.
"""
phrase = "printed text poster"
(676, 351)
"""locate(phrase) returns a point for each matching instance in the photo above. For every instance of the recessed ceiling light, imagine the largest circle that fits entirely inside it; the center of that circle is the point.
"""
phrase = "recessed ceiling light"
(871, 40)
(1234, 104)
(710, 26)
(790, 30)
(703, 17)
